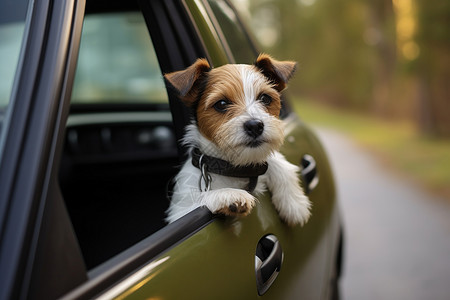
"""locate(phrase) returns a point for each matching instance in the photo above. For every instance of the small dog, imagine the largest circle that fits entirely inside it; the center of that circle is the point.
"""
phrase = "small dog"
(234, 139)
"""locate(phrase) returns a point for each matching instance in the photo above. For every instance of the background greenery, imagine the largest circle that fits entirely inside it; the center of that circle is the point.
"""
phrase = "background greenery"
(380, 70)
(398, 145)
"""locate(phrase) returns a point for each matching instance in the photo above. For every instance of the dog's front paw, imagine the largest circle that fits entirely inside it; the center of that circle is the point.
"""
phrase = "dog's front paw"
(240, 208)
(229, 202)
(294, 209)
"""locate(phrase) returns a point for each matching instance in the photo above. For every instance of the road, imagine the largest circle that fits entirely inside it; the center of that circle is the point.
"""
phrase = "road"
(397, 236)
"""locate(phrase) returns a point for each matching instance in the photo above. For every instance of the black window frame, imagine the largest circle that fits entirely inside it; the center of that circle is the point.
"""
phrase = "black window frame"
(31, 151)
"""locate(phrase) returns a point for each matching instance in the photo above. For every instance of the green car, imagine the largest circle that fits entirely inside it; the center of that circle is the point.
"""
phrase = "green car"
(89, 143)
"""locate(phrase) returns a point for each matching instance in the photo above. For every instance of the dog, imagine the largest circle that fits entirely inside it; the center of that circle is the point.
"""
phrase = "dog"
(234, 140)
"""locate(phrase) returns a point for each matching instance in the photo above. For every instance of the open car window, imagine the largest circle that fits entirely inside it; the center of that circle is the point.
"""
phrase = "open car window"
(117, 62)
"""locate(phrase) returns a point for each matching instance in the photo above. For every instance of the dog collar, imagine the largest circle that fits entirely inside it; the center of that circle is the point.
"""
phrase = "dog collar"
(221, 167)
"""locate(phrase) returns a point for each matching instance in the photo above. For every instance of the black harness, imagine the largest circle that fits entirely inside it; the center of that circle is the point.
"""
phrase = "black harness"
(208, 164)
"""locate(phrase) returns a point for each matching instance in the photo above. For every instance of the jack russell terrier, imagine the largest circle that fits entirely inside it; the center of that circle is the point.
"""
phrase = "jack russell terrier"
(234, 140)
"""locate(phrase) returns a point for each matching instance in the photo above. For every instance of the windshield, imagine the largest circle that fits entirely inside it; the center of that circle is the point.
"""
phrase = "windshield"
(117, 62)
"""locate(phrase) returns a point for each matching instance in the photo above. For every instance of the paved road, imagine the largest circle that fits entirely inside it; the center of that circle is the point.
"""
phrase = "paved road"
(397, 235)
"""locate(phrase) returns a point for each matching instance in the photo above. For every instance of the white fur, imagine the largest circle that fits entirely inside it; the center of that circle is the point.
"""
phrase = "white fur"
(288, 198)
(248, 79)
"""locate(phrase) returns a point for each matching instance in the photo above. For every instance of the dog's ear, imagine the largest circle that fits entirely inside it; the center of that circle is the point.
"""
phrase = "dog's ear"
(278, 72)
(184, 82)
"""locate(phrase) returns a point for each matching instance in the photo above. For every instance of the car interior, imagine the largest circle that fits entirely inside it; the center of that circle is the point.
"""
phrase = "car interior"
(120, 148)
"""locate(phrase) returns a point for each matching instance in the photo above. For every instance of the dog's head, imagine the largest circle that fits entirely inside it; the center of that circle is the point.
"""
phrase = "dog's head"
(237, 107)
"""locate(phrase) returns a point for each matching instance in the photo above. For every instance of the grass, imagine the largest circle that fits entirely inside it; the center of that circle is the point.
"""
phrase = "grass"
(423, 159)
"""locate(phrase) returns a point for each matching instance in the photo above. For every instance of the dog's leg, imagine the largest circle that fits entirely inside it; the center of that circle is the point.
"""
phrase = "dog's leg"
(288, 197)
(187, 196)
(228, 201)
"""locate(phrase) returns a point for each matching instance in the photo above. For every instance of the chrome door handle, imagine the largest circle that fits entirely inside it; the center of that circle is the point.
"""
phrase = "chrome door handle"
(268, 260)
(309, 173)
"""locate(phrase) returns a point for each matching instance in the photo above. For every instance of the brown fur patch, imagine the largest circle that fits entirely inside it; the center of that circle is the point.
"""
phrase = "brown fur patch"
(226, 83)
(278, 72)
(185, 82)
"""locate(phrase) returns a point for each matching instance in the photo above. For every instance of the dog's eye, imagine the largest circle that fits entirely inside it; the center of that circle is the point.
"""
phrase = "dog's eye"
(265, 99)
(221, 105)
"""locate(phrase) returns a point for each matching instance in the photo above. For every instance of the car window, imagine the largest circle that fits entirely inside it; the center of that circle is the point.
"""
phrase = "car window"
(117, 62)
(237, 39)
(12, 30)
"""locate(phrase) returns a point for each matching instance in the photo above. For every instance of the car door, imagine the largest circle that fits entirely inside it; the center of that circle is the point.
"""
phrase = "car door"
(55, 243)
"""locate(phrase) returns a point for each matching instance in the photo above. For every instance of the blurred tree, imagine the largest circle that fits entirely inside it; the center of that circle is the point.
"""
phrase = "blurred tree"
(432, 67)
(380, 34)
(327, 38)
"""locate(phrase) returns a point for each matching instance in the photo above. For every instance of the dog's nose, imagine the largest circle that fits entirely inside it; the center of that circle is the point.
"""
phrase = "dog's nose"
(254, 128)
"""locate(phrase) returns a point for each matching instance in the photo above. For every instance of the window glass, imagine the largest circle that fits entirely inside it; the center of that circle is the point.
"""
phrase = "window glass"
(238, 41)
(117, 62)
(12, 28)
